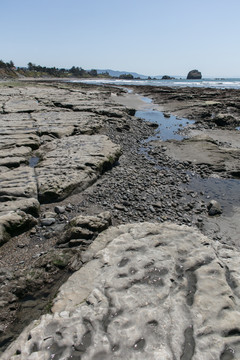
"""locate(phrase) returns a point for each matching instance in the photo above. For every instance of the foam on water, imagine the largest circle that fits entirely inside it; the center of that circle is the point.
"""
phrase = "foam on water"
(212, 83)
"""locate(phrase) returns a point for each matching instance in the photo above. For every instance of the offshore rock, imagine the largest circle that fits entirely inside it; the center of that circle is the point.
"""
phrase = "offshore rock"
(147, 291)
(194, 74)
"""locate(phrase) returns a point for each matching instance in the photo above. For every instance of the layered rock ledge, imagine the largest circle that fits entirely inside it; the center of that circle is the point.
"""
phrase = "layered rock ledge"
(50, 146)
(45, 129)
(146, 291)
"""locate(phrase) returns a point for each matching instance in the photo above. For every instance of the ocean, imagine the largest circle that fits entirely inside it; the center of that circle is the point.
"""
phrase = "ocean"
(227, 83)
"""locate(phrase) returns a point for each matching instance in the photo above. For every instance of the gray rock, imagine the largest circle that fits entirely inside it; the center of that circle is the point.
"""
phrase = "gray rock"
(194, 74)
(201, 150)
(59, 209)
(146, 291)
(73, 164)
(48, 221)
(13, 223)
(20, 104)
(86, 227)
(214, 208)
(20, 182)
(28, 205)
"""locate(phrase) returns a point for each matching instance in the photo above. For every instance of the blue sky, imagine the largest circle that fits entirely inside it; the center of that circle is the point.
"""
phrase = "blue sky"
(151, 37)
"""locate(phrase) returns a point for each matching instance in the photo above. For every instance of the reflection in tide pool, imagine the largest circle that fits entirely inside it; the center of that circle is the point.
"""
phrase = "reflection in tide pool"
(33, 161)
(168, 127)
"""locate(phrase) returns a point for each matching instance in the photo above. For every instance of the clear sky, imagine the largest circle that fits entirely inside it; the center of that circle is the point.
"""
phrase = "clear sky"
(151, 37)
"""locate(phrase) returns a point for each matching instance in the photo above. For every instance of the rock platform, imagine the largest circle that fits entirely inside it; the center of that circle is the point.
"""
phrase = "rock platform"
(73, 161)
(145, 291)
(50, 146)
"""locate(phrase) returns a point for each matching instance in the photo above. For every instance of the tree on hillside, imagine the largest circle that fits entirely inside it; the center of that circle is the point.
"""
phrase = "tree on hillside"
(126, 76)
(30, 66)
(2, 64)
(10, 64)
(93, 72)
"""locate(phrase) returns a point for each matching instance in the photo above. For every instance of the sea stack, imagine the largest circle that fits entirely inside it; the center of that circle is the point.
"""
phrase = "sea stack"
(194, 74)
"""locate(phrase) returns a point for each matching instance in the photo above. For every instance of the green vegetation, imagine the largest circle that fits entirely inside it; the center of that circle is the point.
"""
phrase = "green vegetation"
(126, 76)
(8, 69)
(43, 71)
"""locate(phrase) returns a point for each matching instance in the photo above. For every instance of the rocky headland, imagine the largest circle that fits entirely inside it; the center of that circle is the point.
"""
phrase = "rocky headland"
(132, 231)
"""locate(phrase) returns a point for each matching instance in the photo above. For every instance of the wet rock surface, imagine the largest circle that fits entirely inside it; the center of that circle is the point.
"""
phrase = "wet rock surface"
(204, 151)
(145, 184)
(202, 105)
(145, 291)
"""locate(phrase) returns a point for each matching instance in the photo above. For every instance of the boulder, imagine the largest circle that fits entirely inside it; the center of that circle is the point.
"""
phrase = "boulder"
(214, 208)
(194, 74)
(146, 291)
(14, 223)
(86, 227)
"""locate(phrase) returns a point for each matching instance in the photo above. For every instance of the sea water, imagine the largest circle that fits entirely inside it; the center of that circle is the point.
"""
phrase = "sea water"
(227, 83)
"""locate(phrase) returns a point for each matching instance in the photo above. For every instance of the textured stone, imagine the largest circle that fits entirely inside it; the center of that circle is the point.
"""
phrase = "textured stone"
(19, 104)
(28, 205)
(66, 123)
(19, 182)
(194, 74)
(36, 117)
(201, 150)
(18, 129)
(14, 222)
(86, 227)
(73, 163)
(146, 291)
(47, 221)
(214, 208)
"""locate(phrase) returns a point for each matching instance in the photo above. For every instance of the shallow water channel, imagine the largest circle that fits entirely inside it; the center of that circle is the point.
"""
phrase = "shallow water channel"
(168, 127)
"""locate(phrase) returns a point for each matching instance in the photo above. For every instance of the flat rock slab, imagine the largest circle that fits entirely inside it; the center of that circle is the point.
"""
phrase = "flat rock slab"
(146, 291)
(18, 104)
(71, 163)
(19, 182)
(203, 150)
(66, 123)
(18, 129)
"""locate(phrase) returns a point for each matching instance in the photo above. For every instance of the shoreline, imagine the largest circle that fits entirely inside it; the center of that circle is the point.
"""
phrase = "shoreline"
(133, 190)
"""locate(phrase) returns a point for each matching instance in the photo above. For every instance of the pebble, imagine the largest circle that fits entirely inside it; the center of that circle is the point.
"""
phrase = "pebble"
(48, 221)
(59, 209)
(214, 208)
(21, 246)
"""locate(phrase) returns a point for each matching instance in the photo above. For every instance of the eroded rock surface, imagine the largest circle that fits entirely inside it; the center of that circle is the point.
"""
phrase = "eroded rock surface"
(82, 230)
(203, 150)
(46, 146)
(146, 291)
(72, 163)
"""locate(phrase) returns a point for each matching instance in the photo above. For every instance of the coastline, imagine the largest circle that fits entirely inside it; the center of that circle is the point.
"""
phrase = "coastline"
(136, 189)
